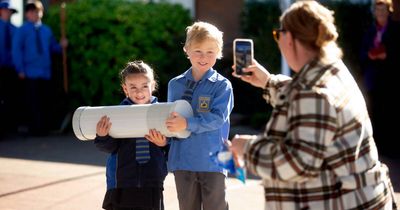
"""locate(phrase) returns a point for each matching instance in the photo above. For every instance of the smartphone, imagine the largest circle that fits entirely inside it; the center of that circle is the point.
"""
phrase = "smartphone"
(242, 55)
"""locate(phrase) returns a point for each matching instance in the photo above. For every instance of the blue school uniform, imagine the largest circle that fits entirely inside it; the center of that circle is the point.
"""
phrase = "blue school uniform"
(32, 48)
(212, 103)
(8, 79)
(128, 182)
(5, 44)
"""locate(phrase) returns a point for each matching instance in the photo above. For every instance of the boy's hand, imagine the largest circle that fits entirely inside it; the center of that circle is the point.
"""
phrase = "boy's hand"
(21, 75)
(103, 126)
(156, 137)
(64, 42)
(175, 122)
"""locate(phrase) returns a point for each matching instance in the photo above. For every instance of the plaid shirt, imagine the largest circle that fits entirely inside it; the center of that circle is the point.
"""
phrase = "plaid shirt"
(317, 151)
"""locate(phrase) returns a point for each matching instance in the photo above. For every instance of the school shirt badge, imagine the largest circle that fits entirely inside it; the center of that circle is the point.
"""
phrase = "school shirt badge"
(204, 104)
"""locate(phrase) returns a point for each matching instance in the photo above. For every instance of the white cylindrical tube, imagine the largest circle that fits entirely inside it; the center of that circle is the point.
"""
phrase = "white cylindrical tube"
(131, 121)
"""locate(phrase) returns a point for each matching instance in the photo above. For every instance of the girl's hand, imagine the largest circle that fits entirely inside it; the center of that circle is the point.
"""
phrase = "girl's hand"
(175, 122)
(156, 137)
(103, 126)
(259, 75)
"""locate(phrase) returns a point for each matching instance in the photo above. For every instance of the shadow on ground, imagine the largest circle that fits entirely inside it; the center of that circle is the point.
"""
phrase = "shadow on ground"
(67, 148)
(56, 148)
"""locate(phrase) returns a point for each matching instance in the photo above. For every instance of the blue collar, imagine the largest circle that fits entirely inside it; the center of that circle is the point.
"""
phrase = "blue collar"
(211, 75)
(128, 101)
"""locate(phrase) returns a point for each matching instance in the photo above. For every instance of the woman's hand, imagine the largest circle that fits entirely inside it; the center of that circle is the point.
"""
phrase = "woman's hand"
(238, 143)
(259, 75)
(103, 126)
(156, 137)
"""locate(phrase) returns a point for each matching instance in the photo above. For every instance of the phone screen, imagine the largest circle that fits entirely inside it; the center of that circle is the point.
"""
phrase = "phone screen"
(243, 55)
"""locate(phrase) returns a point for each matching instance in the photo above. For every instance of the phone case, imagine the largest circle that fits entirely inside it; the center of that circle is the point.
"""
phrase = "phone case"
(242, 54)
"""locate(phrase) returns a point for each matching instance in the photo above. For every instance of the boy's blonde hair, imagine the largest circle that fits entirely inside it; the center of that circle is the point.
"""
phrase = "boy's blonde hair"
(34, 5)
(201, 31)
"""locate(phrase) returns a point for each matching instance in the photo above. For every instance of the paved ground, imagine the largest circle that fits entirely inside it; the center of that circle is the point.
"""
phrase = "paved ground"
(59, 172)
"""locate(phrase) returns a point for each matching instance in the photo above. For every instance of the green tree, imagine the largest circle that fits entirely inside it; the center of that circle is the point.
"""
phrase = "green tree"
(104, 35)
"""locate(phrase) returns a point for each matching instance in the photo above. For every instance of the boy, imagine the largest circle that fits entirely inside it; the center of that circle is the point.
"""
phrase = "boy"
(8, 77)
(32, 48)
(200, 182)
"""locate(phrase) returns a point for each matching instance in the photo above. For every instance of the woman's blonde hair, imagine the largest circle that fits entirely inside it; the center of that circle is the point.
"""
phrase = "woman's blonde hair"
(201, 31)
(387, 3)
(313, 25)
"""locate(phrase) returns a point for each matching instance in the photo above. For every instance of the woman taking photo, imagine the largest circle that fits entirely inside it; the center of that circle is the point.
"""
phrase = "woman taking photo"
(317, 151)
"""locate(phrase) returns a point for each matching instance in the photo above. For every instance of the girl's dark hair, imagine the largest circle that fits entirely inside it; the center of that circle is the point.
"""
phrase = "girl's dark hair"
(137, 67)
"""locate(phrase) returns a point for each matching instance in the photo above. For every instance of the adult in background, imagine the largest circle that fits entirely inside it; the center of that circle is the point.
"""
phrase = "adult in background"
(380, 64)
(8, 78)
(317, 151)
(32, 48)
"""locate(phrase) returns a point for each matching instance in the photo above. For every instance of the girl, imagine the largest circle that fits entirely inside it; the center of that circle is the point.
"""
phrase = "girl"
(136, 168)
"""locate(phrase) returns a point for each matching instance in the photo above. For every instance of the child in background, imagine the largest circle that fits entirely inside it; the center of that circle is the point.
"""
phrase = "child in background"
(200, 181)
(32, 48)
(9, 91)
(136, 168)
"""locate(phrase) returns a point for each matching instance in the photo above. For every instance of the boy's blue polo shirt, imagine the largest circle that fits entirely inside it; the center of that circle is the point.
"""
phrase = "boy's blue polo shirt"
(212, 104)
(5, 55)
(25, 54)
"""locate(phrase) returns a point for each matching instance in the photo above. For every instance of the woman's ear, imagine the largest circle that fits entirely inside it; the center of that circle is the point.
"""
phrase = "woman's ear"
(290, 39)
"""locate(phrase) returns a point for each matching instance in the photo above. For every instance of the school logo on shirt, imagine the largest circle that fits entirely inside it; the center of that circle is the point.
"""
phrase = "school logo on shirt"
(204, 104)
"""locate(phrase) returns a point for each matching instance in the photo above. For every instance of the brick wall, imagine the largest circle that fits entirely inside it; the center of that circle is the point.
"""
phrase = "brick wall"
(225, 15)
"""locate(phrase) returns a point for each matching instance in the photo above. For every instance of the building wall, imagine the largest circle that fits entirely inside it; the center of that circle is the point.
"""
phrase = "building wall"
(188, 4)
(17, 18)
(225, 14)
